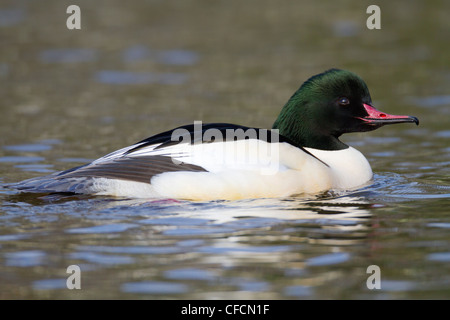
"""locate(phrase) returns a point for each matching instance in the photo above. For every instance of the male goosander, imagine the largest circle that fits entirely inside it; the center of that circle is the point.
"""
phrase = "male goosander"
(301, 154)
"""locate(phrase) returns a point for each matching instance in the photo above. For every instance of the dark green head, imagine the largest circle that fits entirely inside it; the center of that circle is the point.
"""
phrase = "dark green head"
(328, 105)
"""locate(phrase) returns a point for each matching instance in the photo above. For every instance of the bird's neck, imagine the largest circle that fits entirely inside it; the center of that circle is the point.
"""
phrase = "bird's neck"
(296, 125)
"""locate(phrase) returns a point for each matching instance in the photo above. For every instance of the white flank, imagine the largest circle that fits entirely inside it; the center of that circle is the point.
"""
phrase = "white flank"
(234, 170)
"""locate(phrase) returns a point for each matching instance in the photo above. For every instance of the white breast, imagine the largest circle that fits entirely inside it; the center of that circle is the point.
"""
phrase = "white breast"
(349, 167)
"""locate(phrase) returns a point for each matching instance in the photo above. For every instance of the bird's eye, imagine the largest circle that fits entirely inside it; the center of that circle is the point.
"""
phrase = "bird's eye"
(343, 101)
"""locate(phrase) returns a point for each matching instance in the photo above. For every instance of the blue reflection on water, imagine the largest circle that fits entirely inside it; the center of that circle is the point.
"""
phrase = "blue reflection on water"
(68, 55)
(20, 159)
(328, 259)
(431, 101)
(47, 284)
(170, 57)
(102, 259)
(108, 228)
(25, 258)
(28, 147)
(128, 77)
(190, 274)
(154, 287)
(11, 17)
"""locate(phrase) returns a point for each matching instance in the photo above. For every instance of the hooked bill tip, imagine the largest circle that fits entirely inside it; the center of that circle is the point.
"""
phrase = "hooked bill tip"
(415, 119)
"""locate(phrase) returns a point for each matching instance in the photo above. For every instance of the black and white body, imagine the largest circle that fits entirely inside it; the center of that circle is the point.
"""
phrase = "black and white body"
(301, 154)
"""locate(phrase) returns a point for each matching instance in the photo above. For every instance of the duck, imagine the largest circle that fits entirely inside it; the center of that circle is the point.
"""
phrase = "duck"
(300, 155)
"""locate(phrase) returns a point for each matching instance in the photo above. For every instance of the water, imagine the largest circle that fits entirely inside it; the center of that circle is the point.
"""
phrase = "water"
(133, 70)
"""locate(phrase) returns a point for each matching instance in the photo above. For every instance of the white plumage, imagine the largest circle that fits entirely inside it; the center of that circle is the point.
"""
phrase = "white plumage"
(232, 170)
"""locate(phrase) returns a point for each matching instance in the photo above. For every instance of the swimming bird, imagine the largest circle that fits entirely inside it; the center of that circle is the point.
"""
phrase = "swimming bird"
(300, 154)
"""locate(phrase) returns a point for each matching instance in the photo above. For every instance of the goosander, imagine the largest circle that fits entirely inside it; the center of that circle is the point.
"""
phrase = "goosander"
(301, 154)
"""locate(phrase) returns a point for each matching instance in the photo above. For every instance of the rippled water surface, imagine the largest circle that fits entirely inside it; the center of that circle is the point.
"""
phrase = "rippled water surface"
(133, 70)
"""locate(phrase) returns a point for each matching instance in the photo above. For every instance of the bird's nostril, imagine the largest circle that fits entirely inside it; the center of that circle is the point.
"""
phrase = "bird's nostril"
(382, 115)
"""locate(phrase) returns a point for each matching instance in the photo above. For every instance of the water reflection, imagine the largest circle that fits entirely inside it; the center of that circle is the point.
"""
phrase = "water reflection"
(432, 101)
(230, 228)
(19, 159)
(49, 284)
(154, 287)
(170, 57)
(133, 78)
(203, 242)
(25, 258)
(11, 17)
(346, 28)
(68, 55)
(28, 147)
